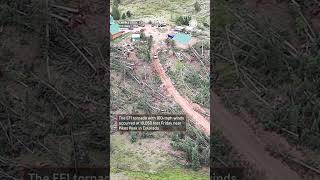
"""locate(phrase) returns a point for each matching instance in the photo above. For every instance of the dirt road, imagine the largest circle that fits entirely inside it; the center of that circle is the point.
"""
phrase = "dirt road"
(247, 143)
(235, 130)
(198, 120)
(241, 136)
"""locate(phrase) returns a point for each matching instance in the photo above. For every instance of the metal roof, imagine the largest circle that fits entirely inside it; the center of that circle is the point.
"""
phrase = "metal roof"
(135, 36)
(114, 28)
(182, 38)
(111, 20)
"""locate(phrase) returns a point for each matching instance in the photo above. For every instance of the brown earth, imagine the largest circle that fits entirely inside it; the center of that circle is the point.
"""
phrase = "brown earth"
(199, 121)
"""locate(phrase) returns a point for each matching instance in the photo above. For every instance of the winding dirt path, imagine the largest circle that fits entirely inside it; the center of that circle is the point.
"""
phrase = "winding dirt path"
(234, 129)
(198, 120)
(241, 136)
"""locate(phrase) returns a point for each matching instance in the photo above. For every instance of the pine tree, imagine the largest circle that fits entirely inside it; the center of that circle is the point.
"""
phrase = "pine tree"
(133, 137)
(115, 13)
(142, 34)
(129, 14)
(123, 16)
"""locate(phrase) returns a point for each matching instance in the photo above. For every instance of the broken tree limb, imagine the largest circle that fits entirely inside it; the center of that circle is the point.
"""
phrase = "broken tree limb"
(305, 165)
(79, 51)
(154, 90)
(232, 53)
(202, 50)
(58, 109)
(86, 49)
(55, 90)
(47, 41)
(197, 55)
(7, 175)
(60, 17)
(313, 34)
(65, 8)
(9, 108)
(186, 56)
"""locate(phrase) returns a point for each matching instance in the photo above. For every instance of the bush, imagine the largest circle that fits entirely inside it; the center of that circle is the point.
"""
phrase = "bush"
(197, 6)
(175, 137)
(133, 137)
(115, 13)
(142, 34)
(150, 41)
(195, 163)
(129, 14)
(145, 134)
(123, 16)
(183, 20)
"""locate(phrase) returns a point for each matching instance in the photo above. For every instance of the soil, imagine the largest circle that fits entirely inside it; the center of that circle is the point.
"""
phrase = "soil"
(200, 121)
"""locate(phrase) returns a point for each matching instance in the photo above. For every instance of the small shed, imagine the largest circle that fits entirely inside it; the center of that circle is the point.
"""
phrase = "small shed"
(135, 37)
(179, 28)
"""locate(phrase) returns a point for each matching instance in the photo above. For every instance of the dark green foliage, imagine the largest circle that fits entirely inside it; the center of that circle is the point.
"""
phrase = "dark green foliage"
(145, 134)
(185, 145)
(194, 144)
(133, 137)
(145, 48)
(175, 137)
(129, 14)
(183, 20)
(197, 6)
(142, 35)
(123, 16)
(150, 42)
(115, 13)
(277, 85)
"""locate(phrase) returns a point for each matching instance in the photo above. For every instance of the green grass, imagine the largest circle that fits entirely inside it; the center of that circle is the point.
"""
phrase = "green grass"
(167, 9)
(139, 156)
(176, 174)
(144, 161)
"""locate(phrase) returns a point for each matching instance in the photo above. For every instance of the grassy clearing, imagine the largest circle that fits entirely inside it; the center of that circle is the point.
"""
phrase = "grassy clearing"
(155, 8)
(170, 174)
(161, 10)
(140, 156)
(145, 160)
